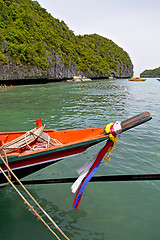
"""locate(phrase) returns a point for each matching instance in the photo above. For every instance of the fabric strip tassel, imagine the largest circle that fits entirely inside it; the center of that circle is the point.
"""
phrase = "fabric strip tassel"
(82, 172)
(86, 176)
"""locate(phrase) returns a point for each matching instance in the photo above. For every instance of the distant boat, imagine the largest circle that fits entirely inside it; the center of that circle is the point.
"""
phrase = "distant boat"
(137, 79)
(158, 79)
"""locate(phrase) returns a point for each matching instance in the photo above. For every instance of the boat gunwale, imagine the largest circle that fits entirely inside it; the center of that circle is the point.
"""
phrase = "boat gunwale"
(49, 151)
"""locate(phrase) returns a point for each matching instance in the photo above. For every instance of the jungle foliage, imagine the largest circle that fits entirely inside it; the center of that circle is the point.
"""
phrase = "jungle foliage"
(30, 35)
(151, 72)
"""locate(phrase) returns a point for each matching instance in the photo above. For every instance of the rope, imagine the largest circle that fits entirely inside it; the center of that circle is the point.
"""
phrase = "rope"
(28, 138)
(21, 141)
(27, 143)
(25, 201)
(9, 174)
(48, 140)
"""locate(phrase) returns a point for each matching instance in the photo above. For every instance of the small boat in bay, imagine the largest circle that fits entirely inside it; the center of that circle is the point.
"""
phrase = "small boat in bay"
(158, 79)
(137, 79)
(26, 152)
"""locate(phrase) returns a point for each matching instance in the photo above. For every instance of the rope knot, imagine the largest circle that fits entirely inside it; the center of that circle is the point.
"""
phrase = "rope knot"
(113, 130)
(112, 134)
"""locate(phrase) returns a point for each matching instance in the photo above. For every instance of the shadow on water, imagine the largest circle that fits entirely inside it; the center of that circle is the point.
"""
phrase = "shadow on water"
(14, 212)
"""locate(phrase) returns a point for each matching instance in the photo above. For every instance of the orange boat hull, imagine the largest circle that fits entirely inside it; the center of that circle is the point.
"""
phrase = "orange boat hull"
(67, 143)
(29, 151)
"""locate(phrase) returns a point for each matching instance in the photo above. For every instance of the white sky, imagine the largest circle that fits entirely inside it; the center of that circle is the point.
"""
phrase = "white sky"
(134, 25)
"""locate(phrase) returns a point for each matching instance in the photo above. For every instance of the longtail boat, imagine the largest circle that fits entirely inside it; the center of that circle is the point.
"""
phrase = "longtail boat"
(137, 79)
(29, 151)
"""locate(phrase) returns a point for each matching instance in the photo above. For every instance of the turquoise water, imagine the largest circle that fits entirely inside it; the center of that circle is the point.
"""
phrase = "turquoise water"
(108, 211)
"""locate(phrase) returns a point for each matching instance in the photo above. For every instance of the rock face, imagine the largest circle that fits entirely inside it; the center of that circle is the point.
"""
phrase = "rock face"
(56, 71)
(35, 46)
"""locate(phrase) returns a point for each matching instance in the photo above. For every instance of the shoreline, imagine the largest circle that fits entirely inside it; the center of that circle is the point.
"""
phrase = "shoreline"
(33, 81)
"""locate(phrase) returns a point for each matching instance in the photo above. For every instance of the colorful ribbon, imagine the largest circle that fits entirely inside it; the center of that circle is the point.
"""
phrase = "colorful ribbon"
(88, 170)
(91, 172)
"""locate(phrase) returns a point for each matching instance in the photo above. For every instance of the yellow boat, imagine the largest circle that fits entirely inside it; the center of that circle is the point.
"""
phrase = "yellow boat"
(137, 79)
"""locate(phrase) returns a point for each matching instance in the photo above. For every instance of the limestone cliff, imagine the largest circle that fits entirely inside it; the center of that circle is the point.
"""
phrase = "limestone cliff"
(34, 46)
(56, 71)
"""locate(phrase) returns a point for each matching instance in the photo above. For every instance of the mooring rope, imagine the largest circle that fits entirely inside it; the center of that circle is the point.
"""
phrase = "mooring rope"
(9, 174)
(25, 201)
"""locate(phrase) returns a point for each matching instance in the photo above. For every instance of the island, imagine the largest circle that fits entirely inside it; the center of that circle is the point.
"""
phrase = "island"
(36, 47)
(152, 73)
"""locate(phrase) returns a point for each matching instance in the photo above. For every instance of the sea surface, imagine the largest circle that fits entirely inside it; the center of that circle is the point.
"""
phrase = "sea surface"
(108, 210)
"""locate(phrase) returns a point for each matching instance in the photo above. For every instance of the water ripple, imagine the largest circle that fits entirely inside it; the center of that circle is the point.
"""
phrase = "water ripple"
(128, 210)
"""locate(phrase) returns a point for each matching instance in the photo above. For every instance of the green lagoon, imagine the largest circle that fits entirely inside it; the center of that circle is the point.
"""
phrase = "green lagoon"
(108, 211)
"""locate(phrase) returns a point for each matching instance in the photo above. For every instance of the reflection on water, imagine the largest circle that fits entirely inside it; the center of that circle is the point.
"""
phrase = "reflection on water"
(128, 210)
(69, 219)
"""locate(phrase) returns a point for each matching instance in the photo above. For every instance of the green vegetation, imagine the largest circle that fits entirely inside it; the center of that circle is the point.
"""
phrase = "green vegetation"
(151, 73)
(99, 54)
(31, 36)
